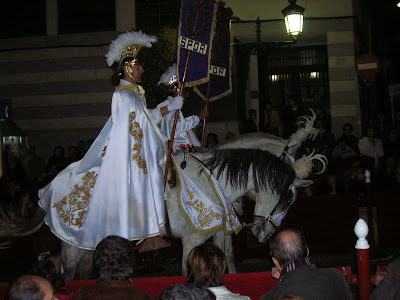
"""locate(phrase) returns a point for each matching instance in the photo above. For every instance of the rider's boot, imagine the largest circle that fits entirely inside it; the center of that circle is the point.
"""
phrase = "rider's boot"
(151, 244)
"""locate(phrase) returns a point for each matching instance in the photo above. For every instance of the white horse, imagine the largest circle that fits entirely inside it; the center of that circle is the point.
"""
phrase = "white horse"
(280, 147)
(238, 171)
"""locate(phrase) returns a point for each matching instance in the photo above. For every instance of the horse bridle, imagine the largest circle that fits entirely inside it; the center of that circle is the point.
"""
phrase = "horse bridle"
(270, 218)
(261, 220)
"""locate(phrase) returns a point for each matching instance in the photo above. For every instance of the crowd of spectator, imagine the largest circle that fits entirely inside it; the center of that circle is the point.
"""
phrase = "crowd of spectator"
(348, 156)
(114, 259)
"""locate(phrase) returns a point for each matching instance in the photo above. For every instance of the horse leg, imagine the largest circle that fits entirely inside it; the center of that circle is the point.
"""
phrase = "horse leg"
(225, 243)
(188, 243)
(71, 256)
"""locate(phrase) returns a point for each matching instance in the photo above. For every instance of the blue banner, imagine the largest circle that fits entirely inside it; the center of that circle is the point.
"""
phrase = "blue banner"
(220, 83)
(195, 33)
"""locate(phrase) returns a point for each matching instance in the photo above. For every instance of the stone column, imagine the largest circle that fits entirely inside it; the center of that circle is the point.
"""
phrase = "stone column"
(51, 18)
(125, 15)
(343, 82)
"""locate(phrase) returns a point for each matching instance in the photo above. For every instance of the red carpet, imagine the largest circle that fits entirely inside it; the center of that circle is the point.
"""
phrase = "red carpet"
(253, 285)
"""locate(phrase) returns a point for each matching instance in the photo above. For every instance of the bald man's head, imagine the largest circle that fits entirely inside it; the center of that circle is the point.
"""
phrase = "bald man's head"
(32, 288)
(288, 245)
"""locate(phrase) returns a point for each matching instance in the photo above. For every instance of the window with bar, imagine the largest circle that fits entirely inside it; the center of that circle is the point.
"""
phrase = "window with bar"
(299, 71)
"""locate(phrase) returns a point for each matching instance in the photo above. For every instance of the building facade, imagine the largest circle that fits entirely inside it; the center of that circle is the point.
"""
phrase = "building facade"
(54, 71)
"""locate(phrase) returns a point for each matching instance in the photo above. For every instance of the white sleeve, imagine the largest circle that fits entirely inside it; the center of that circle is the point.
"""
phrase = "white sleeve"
(186, 124)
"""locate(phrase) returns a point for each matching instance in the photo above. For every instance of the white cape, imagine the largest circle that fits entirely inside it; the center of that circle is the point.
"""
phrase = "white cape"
(117, 188)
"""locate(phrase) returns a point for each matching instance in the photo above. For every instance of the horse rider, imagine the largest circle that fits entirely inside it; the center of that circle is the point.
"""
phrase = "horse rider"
(117, 187)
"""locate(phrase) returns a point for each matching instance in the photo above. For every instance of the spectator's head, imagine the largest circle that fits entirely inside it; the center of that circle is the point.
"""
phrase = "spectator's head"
(30, 287)
(48, 265)
(186, 292)
(371, 132)
(318, 108)
(229, 135)
(212, 140)
(252, 114)
(81, 146)
(286, 246)
(269, 106)
(58, 152)
(292, 101)
(114, 258)
(206, 265)
(73, 151)
(347, 129)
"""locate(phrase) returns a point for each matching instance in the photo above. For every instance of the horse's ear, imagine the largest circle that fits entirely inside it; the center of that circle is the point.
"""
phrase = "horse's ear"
(302, 182)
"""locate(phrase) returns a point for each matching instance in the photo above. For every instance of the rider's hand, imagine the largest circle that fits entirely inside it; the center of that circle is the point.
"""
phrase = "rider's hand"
(203, 114)
(176, 103)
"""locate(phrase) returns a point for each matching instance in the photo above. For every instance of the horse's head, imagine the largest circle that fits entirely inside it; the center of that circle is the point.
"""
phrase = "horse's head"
(269, 212)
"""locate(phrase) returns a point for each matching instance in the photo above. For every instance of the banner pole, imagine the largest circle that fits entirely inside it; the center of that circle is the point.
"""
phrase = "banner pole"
(204, 121)
(177, 111)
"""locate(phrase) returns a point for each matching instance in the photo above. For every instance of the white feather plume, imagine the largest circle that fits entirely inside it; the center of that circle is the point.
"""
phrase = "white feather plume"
(303, 133)
(166, 77)
(303, 167)
(126, 39)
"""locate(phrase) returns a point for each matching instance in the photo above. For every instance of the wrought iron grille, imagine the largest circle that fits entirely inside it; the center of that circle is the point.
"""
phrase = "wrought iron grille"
(299, 71)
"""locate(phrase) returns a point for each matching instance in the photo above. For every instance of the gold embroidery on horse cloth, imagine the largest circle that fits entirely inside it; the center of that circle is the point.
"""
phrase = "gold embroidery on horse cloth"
(136, 132)
(77, 201)
(207, 215)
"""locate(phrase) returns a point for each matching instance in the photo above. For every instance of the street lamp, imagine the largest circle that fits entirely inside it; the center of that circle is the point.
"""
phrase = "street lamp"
(293, 15)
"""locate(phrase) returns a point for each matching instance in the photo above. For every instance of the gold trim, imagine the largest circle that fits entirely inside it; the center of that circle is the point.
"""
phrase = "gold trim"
(90, 248)
(206, 215)
(137, 133)
(133, 87)
(187, 218)
(76, 202)
(131, 50)
(103, 151)
(227, 92)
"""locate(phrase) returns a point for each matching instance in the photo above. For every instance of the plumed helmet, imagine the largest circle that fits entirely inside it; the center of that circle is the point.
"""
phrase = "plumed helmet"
(128, 44)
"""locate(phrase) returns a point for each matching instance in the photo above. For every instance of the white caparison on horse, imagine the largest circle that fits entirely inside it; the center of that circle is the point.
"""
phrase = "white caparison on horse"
(238, 170)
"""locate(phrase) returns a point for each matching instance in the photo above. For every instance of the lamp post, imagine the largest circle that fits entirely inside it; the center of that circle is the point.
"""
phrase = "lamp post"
(293, 15)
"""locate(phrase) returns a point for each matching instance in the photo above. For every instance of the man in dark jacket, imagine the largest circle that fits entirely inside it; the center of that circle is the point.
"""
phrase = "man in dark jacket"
(296, 275)
(114, 259)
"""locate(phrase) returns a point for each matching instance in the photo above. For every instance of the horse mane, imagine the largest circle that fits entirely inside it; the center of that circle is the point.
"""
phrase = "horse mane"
(268, 170)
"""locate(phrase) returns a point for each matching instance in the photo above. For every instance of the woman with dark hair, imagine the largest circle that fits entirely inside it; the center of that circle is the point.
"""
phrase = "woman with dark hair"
(206, 267)
(57, 162)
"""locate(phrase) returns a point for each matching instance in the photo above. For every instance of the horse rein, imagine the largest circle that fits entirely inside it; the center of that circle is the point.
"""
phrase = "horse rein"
(261, 220)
